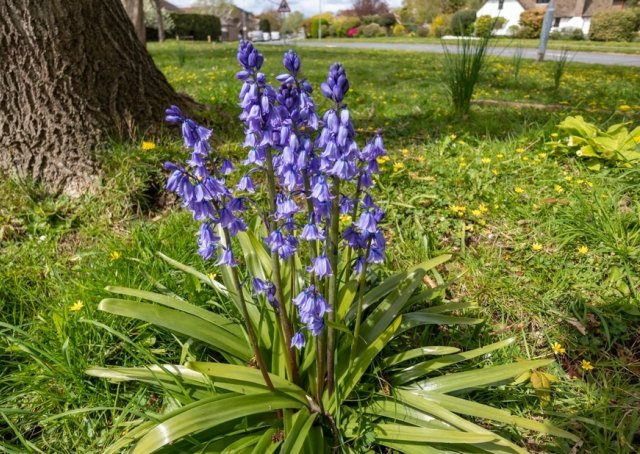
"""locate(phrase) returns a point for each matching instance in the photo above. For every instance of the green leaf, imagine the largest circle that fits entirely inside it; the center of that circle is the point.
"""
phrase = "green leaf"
(217, 337)
(416, 353)
(266, 445)
(296, 436)
(193, 272)
(246, 380)
(242, 444)
(418, 370)
(209, 413)
(476, 410)
(478, 377)
(413, 319)
(348, 377)
(401, 433)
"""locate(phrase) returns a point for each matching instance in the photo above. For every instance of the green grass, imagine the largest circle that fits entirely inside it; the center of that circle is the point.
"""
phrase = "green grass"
(585, 46)
(55, 252)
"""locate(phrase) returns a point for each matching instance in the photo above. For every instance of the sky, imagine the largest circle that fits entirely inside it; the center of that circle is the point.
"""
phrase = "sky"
(307, 7)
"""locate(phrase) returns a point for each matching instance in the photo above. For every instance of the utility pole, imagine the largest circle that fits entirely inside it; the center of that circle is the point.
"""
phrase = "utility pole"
(546, 28)
(320, 21)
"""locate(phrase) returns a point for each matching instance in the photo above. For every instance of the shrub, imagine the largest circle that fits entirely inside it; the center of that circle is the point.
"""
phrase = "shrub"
(371, 30)
(317, 22)
(353, 32)
(574, 34)
(265, 25)
(200, 26)
(462, 22)
(398, 30)
(531, 23)
(612, 26)
(485, 25)
(373, 19)
(439, 25)
(342, 25)
(422, 31)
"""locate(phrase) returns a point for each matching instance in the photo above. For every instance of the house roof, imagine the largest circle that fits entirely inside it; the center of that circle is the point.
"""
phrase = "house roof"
(168, 6)
(583, 8)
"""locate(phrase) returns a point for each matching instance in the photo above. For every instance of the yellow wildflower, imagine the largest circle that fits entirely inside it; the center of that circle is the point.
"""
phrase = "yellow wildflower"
(554, 135)
(559, 189)
(382, 159)
(582, 250)
(458, 210)
(486, 160)
(500, 156)
(405, 151)
(115, 255)
(483, 208)
(536, 247)
(495, 171)
(568, 178)
(452, 136)
(476, 213)
(558, 349)
(586, 365)
(148, 145)
(398, 166)
(345, 218)
(518, 190)
(624, 108)
(519, 150)
(76, 307)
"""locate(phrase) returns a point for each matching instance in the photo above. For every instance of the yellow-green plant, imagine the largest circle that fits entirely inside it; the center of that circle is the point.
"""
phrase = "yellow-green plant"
(617, 145)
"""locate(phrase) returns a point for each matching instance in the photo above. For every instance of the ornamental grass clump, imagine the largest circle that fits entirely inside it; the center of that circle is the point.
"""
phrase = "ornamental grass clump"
(312, 354)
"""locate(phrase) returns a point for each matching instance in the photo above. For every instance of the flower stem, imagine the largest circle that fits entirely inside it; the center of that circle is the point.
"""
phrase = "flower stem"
(320, 362)
(277, 276)
(354, 215)
(356, 330)
(333, 283)
(253, 340)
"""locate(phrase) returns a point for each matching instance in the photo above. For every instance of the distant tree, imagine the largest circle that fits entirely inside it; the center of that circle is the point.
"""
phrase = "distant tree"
(292, 23)
(451, 6)
(370, 7)
(223, 9)
(265, 25)
(274, 18)
(135, 11)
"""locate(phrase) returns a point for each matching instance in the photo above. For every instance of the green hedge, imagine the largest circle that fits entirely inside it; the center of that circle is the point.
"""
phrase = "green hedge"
(462, 22)
(197, 25)
(612, 26)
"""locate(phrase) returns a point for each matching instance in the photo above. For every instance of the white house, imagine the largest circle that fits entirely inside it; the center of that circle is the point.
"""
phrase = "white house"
(569, 14)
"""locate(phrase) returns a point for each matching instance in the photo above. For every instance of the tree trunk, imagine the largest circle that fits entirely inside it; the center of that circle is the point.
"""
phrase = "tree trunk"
(158, 7)
(135, 11)
(74, 75)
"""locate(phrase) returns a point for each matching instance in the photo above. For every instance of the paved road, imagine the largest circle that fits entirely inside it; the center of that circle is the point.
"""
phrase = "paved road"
(600, 58)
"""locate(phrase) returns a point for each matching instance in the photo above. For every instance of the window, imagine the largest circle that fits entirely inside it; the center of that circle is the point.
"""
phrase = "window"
(556, 22)
(542, 1)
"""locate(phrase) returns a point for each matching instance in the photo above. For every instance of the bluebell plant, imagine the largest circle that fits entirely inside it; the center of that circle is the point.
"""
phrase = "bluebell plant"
(294, 230)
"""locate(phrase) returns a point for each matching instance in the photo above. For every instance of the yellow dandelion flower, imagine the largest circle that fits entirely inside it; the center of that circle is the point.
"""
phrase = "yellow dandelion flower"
(500, 156)
(486, 160)
(586, 365)
(452, 136)
(382, 159)
(558, 349)
(542, 155)
(559, 189)
(536, 247)
(582, 250)
(115, 255)
(519, 150)
(148, 145)
(568, 178)
(405, 151)
(398, 166)
(495, 172)
(420, 159)
(519, 190)
(345, 218)
(76, 307)
(525, 158)
(483, 208)
(624, 108)
(477, 213)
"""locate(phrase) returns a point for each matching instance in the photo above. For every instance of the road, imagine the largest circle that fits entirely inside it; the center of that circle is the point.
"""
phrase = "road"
(600, 58)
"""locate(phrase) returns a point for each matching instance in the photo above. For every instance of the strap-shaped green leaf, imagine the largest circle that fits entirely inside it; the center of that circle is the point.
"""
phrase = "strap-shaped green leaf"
(296, 436)
(478, 377)
(476, 410)
(216, 337)
(413, 319)
(181, 305)
(192, 271)
(416, 353)
(246, 380)
(418, 370)
(349, 376)
(401, 433)
(209, 413)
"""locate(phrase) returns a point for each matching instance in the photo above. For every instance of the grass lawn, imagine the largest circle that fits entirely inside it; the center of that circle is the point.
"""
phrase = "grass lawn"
(548, 249)
(586, 46)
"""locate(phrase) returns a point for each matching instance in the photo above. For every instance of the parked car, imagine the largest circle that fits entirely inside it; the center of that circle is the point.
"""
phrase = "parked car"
(256, 36)
(275, 36)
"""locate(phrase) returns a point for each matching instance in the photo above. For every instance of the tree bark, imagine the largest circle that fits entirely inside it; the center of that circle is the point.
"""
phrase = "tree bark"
(74, 75)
